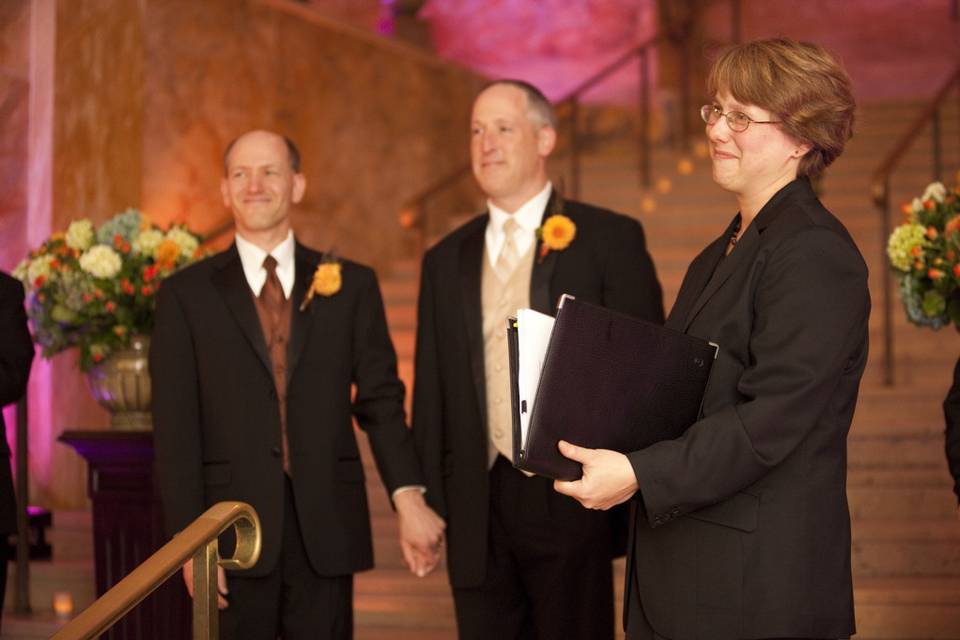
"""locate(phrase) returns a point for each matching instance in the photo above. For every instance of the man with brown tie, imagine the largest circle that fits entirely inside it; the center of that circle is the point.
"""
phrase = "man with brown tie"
(253, 357)
(524, 561)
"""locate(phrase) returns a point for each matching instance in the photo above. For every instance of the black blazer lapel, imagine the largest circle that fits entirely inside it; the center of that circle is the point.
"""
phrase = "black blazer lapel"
(694, 282)
(543, 269)
(742, 254)
(232, 285)
(299, 320)
(540, 282)
(471, 263)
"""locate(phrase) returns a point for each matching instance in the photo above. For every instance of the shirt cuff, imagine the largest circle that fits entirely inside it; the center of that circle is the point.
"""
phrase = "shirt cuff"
(408, 487)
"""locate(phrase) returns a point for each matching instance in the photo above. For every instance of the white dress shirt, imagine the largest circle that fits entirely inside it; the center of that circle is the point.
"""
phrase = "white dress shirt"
(252, 257)
(528, 218)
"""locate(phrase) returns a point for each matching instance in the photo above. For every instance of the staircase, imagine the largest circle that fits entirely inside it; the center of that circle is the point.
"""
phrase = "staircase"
(906, 529)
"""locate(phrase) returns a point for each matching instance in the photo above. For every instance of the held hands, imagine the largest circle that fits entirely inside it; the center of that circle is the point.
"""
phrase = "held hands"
(608, 477)
(421, 532)
(221, 583)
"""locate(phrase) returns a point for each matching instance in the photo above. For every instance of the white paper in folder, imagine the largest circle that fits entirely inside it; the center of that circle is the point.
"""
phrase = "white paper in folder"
(533, 336)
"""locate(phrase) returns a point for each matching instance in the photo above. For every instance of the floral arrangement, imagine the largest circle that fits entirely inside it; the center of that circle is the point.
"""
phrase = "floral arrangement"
(924, 252)
(94, 288)
(556, 234)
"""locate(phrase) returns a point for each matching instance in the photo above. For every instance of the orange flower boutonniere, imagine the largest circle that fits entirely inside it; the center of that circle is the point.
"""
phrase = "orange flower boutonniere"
(327, 281)
(556, 234)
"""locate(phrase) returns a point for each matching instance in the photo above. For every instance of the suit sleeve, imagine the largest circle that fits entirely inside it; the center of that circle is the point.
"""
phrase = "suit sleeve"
(378, 406)
(176, 413)
(809, 316)
(630, 282)
(951, 413)
(16, 348)
(427, 395)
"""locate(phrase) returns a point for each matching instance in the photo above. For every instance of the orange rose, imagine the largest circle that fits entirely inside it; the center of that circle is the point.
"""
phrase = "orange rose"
(558, 232)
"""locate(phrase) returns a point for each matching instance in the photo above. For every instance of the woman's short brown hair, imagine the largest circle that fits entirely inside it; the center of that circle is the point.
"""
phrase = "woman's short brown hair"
(801, 84)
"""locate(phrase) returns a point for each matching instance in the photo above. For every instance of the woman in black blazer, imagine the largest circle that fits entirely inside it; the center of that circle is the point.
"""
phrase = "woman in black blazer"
(741, 525)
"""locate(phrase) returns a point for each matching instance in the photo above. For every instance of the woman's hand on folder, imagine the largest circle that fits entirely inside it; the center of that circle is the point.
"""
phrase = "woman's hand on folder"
(608, 478)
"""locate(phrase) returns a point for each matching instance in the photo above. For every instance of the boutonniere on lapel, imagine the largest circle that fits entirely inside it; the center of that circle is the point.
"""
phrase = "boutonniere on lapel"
(327, 280)
(556, 234)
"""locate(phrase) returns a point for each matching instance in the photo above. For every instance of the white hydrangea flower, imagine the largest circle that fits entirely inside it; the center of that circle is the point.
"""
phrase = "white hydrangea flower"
(40, 266)
(901, 243)
(80, 234)
(183, 239)
(147, 242)
(935, 191)
(20, 272)
(101, 261)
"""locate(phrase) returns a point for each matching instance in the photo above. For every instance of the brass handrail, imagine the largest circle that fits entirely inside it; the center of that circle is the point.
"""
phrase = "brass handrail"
(880, 194)
(197, 541)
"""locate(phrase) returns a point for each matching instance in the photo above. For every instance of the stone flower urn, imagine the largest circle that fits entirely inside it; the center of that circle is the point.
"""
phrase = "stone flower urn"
(121, 384)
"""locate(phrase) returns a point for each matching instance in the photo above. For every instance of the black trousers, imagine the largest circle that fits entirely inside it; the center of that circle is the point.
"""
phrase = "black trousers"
(292, 602)
(549, 572)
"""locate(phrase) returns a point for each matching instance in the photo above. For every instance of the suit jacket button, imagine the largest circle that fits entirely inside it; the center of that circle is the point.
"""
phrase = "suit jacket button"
(277, 452)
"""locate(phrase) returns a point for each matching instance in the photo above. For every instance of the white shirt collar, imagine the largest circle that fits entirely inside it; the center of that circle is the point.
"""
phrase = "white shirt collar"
(528, 218)
(252, 257)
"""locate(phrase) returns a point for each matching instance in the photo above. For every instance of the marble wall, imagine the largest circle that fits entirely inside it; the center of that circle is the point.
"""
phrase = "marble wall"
(107, 104)
(375, 121)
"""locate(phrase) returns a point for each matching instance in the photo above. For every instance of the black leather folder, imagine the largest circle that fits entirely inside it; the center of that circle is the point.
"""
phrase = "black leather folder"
(609, 381)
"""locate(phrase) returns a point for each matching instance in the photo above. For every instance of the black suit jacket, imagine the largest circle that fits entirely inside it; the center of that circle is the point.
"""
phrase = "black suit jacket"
(607, 263)
(217, 421)
(16, 354)
(743, 530)
(951, 413)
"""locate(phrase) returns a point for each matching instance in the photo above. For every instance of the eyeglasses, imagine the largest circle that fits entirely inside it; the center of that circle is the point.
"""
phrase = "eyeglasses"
(736, 120)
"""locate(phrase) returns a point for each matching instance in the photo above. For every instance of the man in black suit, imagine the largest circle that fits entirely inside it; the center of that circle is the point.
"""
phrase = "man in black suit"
(253, 357)
(16, 354)
(524, 562)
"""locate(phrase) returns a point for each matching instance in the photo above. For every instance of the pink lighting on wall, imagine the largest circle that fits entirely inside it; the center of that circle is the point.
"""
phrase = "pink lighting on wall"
(556, 44)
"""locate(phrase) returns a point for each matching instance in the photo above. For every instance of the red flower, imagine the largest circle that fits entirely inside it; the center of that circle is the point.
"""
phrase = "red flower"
(935, 274)
(149, 272)
(956, 271)
(932, 233)
(110, 306)
(87, 297)
(146, 290)
(127, 287)
(97, 357)
(39, 282)
(916, 251)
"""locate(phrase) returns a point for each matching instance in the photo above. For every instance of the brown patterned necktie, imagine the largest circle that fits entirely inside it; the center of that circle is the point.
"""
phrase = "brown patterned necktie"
(275, 323)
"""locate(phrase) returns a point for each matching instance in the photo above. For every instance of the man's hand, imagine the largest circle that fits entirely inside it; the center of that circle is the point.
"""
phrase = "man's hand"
(221, 583)
(421, 532)
(608, 477)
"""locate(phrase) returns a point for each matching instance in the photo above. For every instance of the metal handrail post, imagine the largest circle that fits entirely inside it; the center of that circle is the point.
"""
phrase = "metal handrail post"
(206, 615)
(574, 148)
(643, 135)
(883, 203)
(937, 153)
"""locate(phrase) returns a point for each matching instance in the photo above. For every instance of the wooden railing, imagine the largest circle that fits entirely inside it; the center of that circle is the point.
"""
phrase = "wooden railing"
(880, 193)
(199, 542)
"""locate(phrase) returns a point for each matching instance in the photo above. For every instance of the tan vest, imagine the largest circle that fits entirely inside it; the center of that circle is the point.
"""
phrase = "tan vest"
(500, 301)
